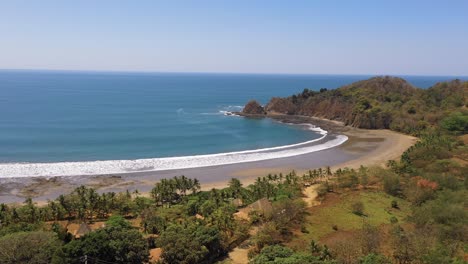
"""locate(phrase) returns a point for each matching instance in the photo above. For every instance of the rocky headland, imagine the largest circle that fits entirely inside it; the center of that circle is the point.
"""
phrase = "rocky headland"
(377, 103)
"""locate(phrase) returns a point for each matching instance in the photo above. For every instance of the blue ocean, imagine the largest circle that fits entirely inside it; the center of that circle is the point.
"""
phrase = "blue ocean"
(55, 116)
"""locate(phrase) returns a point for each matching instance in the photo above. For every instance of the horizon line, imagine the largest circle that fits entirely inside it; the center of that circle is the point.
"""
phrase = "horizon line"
(225, 72)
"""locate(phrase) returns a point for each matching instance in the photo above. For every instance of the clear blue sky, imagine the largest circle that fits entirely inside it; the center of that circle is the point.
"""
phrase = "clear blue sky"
(331, 37)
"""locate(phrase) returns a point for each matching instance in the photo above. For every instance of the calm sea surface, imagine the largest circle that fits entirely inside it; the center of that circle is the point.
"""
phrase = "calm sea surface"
(50, 116)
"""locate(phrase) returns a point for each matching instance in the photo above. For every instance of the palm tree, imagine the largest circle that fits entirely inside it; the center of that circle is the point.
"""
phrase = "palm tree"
(65, 204)
(182, 184)
(111, 198)
(169, 189)
(236, 186)
(270, 177)
(195, 186)
(215, 196)
(339, 172)
(103, 208)
(55, 210)
(31, 210)
(92, 199)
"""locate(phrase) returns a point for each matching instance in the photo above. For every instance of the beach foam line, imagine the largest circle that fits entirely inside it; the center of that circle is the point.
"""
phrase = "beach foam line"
(15, 170)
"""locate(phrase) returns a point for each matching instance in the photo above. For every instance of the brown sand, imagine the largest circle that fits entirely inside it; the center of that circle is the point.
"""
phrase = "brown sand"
(391, 148)
(371, 147)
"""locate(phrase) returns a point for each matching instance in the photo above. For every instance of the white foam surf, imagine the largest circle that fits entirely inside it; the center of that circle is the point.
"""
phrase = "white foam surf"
(14, 170)
(227, 111)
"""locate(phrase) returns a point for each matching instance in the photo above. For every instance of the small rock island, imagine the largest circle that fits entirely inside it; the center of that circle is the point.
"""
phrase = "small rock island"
(253, 108)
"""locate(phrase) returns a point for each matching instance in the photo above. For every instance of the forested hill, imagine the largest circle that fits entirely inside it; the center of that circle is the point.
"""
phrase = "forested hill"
(379, 102)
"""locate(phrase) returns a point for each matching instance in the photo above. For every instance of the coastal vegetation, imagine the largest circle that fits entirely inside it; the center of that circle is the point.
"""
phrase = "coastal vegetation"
(413, 210)
(195, 227)
(380, 102)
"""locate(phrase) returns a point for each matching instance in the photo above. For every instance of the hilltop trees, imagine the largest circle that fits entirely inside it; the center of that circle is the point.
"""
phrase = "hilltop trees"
(152, 222)
(447, 214)
(115, 244)
(28, 247)
(381, 102)
(192, 243)
(456, 122)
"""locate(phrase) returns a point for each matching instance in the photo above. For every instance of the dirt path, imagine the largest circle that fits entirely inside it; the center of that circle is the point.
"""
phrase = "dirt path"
(239, 255)
(311, 194)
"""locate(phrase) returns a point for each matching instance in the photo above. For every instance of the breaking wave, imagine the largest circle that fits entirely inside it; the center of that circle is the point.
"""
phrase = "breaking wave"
(227, 110)
(13, 170)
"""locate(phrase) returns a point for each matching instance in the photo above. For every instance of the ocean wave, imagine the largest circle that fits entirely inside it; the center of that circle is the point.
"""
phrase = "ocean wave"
(217, 113)
(13, 170)
(227, 113)
(226, 110)
(234, 107)
(221, 112)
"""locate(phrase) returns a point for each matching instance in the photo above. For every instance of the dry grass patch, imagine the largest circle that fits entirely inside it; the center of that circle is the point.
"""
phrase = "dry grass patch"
(335, 215)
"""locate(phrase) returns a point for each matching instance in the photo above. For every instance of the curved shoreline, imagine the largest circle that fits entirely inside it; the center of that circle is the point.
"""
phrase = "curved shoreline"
(65, 169)
(363, 147)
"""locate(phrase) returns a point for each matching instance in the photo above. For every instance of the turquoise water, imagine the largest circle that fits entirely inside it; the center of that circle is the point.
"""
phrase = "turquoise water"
(51, 116)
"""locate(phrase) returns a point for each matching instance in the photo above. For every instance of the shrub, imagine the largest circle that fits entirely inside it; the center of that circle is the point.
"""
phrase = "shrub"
(190, 244)
(456, 122)
(267, 235)
(110, 244)
(447, 211)
(279, 254)
(374, 259)
(315, 247)
(323, 189)
(28, 247)
(358, 208)
(391, 184)
(118, 221)
(348, 180)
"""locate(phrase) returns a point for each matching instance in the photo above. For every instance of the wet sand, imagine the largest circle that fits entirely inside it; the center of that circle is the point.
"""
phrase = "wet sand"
(364, 147)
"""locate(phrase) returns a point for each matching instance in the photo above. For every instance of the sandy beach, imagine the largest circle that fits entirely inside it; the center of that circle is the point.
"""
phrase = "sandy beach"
(367, 147)
(364, 147)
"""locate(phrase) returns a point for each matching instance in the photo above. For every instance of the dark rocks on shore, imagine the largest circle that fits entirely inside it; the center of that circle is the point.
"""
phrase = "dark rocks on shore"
(253, 108)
